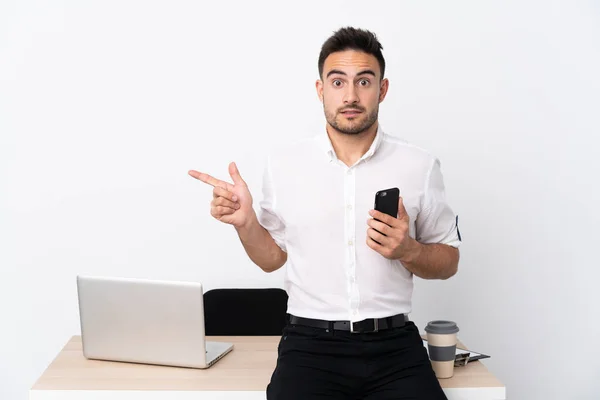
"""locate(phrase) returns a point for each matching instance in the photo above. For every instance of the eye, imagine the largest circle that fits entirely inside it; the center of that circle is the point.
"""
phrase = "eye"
(364, 82)
(336, 83)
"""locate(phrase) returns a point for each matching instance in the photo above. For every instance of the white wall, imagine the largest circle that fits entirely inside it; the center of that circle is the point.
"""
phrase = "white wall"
(104, 106)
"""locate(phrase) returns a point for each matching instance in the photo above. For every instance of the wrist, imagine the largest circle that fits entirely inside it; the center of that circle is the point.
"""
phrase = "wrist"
(248, 224)
(412, 252)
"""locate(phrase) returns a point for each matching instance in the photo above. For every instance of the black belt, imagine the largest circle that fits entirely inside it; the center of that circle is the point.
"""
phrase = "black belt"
(366, 325)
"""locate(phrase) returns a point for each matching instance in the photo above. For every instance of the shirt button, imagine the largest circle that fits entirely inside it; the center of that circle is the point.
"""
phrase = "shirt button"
(349, 206)
(349, 172)
(349, 242)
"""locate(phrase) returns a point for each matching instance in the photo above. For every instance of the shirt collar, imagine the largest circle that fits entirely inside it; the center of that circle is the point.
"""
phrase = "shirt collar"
(327, 147)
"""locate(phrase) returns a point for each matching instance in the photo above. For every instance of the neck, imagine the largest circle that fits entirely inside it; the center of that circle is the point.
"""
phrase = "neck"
(349, 148)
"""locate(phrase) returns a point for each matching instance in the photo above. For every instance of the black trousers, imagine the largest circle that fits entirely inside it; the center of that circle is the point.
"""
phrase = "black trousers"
(315, 363)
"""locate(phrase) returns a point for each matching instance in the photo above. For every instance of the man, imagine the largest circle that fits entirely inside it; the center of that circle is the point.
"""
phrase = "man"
(349, 268)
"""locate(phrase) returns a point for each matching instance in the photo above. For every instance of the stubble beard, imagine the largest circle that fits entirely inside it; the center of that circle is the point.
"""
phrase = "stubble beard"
(351, 127)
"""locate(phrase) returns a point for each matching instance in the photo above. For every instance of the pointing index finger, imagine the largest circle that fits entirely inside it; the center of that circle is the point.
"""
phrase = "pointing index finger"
(206, 178)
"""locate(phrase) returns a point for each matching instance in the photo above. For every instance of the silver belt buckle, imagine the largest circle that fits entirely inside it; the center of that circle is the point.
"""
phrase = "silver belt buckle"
(375, 326)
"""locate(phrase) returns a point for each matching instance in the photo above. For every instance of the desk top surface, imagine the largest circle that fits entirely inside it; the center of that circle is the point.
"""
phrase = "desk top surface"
(248, 367)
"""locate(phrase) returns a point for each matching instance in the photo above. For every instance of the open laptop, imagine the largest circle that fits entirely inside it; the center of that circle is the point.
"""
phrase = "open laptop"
(145, 321)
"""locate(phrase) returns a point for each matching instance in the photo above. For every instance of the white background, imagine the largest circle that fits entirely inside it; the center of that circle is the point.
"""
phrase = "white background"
(104, 106)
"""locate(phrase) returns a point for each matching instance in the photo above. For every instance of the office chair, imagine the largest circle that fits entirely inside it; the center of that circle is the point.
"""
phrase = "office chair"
(245, 312)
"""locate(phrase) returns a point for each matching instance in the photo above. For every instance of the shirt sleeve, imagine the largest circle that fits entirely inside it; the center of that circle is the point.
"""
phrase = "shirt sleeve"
(267, 216)
(436, 222)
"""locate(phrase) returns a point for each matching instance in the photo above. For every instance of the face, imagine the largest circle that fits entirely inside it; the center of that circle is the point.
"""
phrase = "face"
(351, 90)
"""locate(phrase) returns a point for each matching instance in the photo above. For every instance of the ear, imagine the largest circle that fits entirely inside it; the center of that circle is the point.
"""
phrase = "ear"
(319, 86)
(383, 88)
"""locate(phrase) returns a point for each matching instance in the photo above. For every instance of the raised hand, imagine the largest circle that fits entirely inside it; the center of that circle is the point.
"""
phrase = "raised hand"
(231, 203)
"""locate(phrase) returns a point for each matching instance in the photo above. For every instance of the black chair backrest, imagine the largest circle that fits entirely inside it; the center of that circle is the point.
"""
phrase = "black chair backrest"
(245, 312)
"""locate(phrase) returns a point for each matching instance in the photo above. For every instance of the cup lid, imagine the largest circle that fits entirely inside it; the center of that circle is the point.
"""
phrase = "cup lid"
(441, 327)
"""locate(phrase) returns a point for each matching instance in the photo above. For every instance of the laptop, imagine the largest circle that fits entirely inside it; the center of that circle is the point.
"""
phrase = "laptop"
(145, 321)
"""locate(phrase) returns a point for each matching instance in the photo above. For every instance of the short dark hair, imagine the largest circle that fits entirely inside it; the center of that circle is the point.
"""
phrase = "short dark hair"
(349, 38)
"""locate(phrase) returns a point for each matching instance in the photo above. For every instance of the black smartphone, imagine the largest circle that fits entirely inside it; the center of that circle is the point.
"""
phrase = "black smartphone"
(386, 201)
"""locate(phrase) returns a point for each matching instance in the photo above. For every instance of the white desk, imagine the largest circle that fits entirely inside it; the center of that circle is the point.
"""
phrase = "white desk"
(242, 374)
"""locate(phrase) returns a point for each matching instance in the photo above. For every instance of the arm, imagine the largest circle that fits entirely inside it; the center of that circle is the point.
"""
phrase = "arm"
(260, 246)
(433, 253)
(389, 237)
(431, 261)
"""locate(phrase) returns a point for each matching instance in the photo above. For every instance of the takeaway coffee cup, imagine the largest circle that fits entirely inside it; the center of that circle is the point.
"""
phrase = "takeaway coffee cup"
(441, 343)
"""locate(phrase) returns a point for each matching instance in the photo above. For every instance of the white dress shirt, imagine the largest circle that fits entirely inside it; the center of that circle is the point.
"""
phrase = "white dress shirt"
(316, 209)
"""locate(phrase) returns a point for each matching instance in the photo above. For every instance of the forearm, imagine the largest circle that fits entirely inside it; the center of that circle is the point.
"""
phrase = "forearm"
(260, 246)
(431, 261)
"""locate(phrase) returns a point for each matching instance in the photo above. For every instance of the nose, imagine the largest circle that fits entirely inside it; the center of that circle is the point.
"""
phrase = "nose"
(351, 96)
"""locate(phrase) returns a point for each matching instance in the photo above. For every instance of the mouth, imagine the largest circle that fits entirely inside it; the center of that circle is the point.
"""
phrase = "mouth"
(351, 113)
